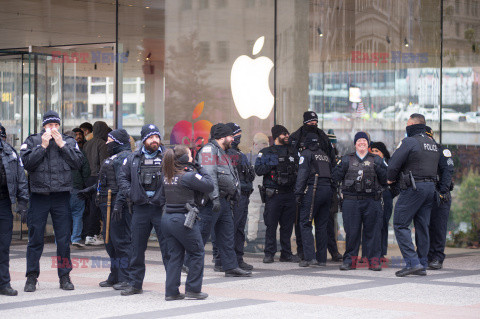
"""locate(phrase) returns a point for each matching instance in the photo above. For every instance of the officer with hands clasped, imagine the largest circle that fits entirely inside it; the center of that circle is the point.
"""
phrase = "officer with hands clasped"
(140, 180)
(278, 165)
(49, 158)
(184, 187)
(413, 167)
(313, 191)
(362, 175)
(13, 189)
(441, 207)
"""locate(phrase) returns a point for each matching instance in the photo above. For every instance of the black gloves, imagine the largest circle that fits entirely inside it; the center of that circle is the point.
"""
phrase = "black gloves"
(116, 214)
(216, 205)
(85, 193)
(299, 200)
(22, 211)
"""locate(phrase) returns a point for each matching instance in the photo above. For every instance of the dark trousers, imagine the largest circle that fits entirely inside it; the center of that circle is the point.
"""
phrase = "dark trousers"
(387, 213)
(357, 213)
(298, 233)
(144, 218)
(240, 213)
(119, 244)
(331, 236)
(279, 209)
(57, 204)
(180, 239)
(92, 220)
(438, 230)
(6, 227)
(220, 223)
(414, 205)
(320, 214)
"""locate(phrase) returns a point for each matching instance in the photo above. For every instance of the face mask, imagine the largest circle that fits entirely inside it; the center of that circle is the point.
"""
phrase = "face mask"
(111, 148)
(310, 128)
(236, 140)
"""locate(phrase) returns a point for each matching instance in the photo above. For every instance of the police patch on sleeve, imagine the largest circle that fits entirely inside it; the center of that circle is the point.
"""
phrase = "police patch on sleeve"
(198, 176)
(301, 160)
(23, 147)
(125, 161)
(447, 153)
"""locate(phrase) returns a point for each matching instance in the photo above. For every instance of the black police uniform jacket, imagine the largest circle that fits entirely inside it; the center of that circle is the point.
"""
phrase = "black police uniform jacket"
(50, 169)
(218, 165)
(361, 177)
(15, 178)
(187, 187)
(313, 161)
(278, 164)
(297, 140)
(246, 174)
(446, 169)
(109, 174)
(130, 183)
(418, 154)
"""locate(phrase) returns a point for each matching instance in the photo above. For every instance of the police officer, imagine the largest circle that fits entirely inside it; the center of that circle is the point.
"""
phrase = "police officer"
(49, 157)
(13, 189)
(118, 246)
(216, 215)
(297, 141)
(184, 184)
(278, 165)
(441, 207)
(140, 181)
(362, 175)
(314, 173)
(246, 175)
(414, 167)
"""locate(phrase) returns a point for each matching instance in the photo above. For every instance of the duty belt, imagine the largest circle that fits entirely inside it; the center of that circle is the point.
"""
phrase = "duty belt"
(357, 197)
(280, 191)
(424, 180)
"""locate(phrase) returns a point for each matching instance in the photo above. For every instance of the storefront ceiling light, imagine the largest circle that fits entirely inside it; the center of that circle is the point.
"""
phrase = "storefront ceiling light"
(319, 31)
(405, 42)
(147, 7)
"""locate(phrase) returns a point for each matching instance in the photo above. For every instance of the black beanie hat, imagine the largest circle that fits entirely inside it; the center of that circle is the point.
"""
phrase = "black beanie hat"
(221, 130)
(277, 130)
(360, 135)
(382, 148)
(120, 136)
(51, 117)
(149, 130)
(309, 116)
(235, 128)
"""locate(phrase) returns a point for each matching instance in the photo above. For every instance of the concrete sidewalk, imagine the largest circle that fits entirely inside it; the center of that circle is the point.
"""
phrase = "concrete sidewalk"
(278, 290)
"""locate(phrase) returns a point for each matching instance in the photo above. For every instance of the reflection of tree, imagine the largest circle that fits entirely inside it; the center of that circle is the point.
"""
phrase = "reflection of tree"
(186, 79)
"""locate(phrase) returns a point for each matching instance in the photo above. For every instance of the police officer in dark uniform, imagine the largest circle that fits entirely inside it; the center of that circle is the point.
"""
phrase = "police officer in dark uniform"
(297, 141)
(441, 207)
(140, 181)
(362, 175)
(118, 247)
(313, 190)
(49, 157)
(184, 184)
(216, 215)
(278, 165)
(246, 175)
(414, 167)
(13, 190)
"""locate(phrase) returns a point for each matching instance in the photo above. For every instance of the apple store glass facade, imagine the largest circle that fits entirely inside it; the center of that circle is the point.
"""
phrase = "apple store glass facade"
(187, 64)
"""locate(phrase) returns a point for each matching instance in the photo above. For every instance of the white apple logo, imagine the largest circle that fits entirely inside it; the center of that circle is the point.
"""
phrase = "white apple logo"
(249, 81)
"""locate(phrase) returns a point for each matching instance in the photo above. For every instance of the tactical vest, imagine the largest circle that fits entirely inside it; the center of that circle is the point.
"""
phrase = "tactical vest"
(245, 172)
(321, 164)
(361, 176)
(423, 163)
(176, 194)
(106, 176)
(285, 173)
(150, 171)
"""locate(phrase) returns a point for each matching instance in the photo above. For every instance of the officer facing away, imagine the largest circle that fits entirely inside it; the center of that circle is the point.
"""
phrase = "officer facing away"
(413, 167)
(216, 215)
(49, 157)
(184, 186)
(278, 165)
(362, 175)
(13, 189)
(314, 174)
(246, 175)
(118, 247)
(441, 207)
(140, 180)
